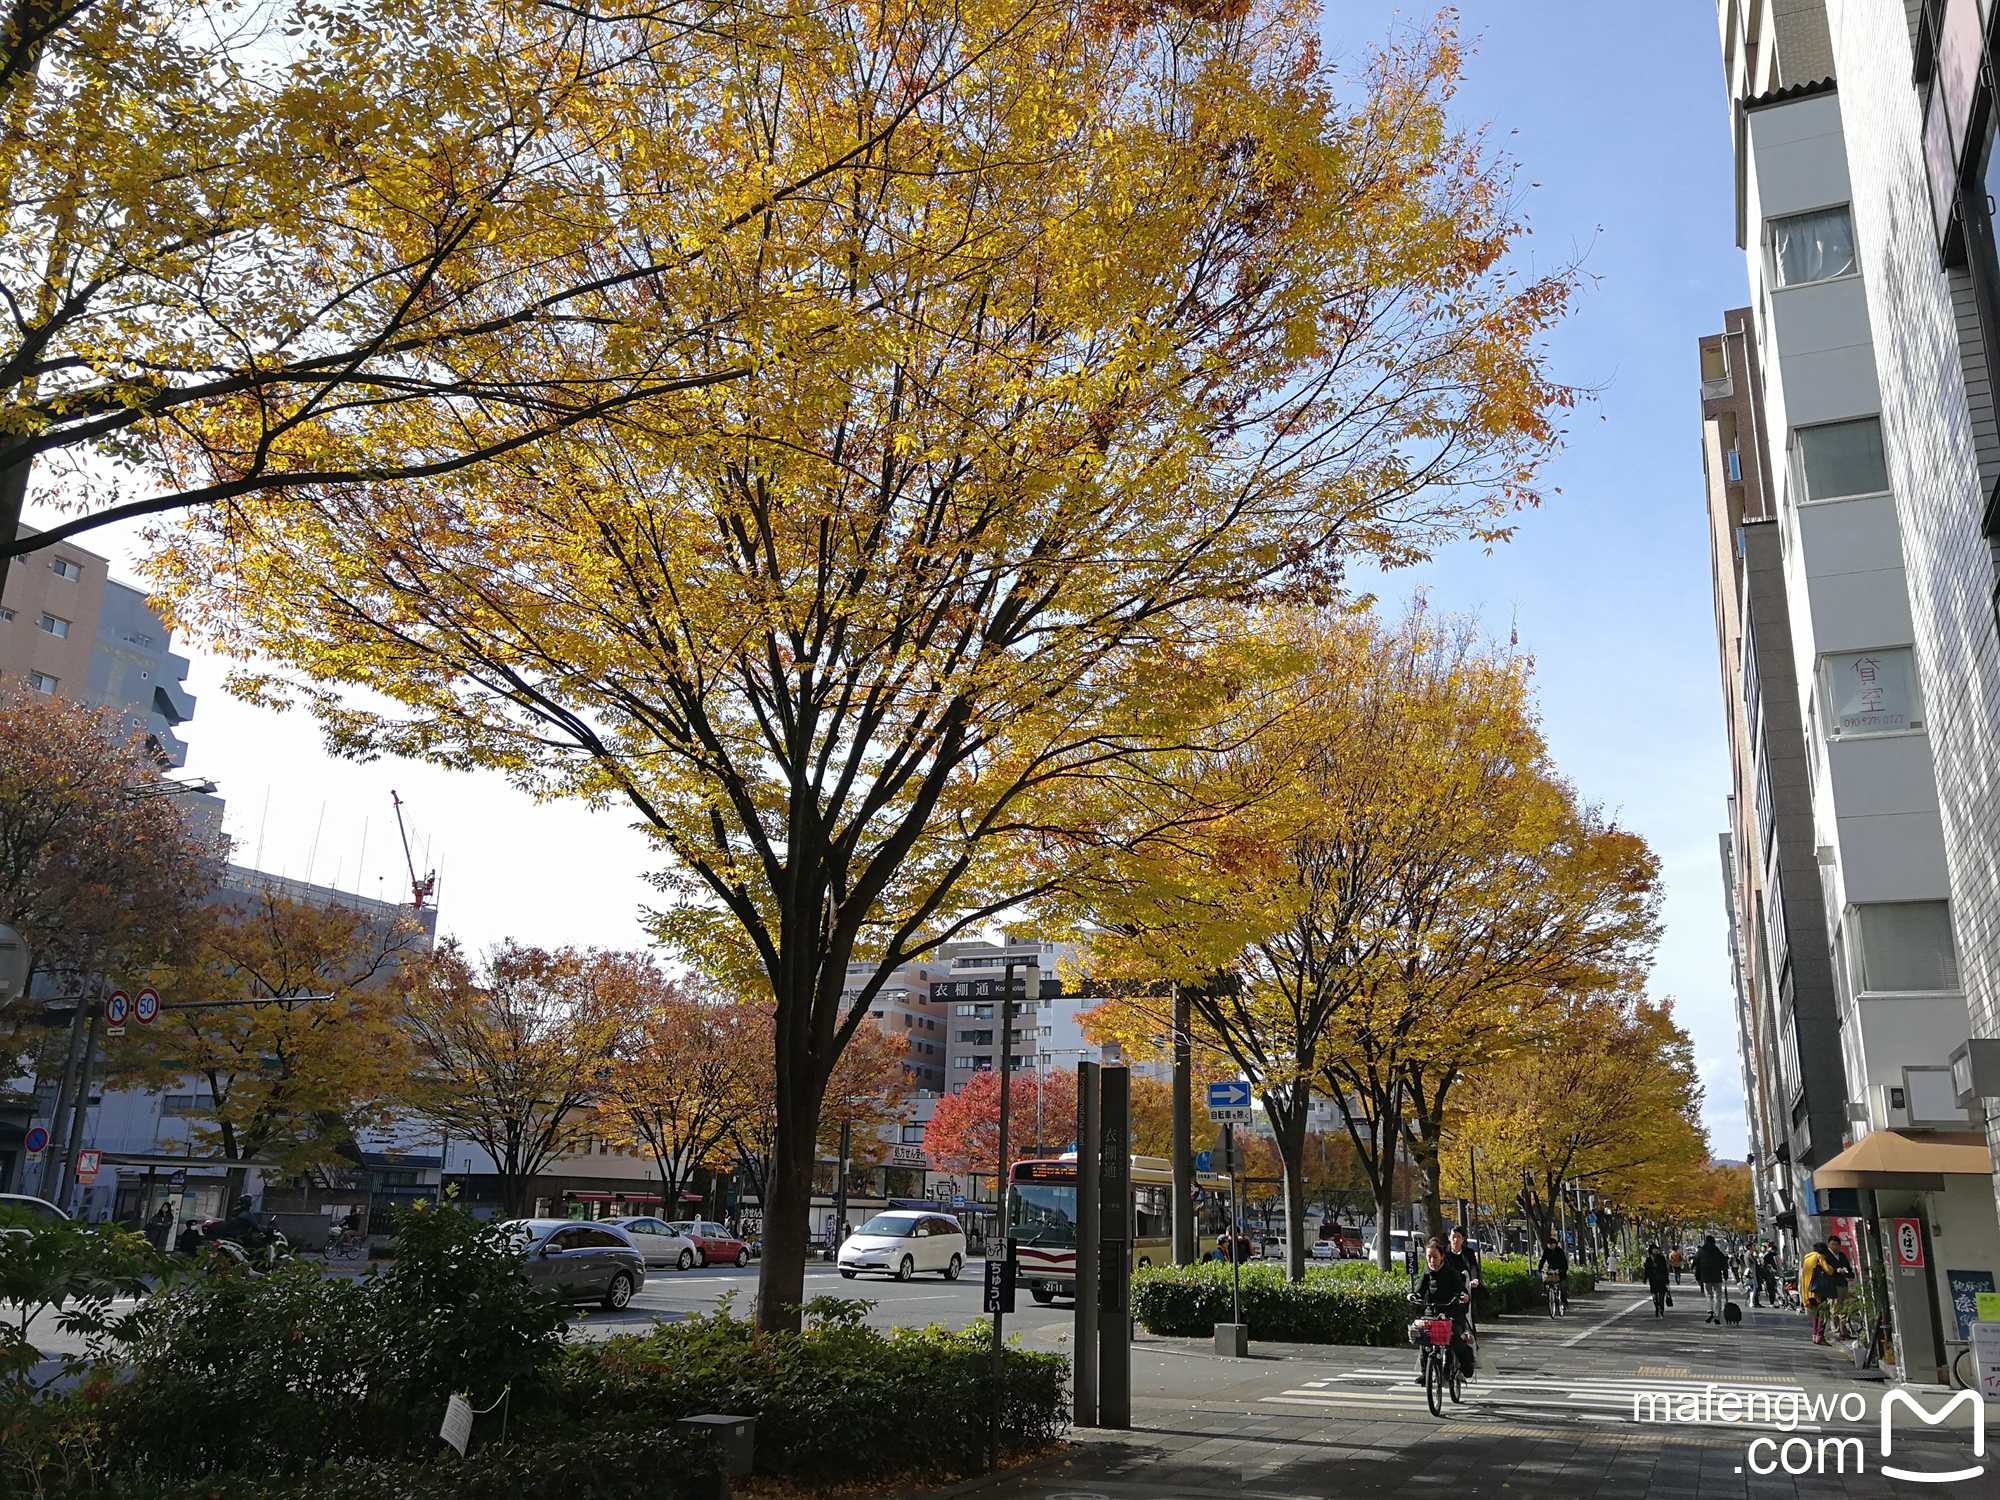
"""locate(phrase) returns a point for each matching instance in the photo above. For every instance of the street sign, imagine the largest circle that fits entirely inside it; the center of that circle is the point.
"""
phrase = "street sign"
(999, 1285)
(1232, 1093)
(87, 1162)
(1202, 1159)
(146, 1007)
(1228, 1116)
(36, 1140)
(117, 1006)
(958, 1200)
(178, 1177)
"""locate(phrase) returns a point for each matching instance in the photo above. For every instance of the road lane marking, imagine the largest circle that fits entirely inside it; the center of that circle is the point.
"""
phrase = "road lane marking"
(1572, 1342)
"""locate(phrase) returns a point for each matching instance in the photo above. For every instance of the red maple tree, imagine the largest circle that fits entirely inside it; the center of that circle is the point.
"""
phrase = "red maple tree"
(964, 1130)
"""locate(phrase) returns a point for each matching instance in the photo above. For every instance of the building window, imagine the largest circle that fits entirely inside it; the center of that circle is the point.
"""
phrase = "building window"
(181, 1106)
(55, 625)
(41, 682)
(1906, 946)
(1813, 247)
(1838, 459)
(977, 1012)
(1871, 692)
(62, 567)
(6, 613)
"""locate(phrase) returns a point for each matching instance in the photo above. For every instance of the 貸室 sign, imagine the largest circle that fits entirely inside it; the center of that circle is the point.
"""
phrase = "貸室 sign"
(1870, 692)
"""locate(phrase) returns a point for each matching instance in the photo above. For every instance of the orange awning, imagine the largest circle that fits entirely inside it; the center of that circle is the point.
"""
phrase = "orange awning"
(1915, 1162)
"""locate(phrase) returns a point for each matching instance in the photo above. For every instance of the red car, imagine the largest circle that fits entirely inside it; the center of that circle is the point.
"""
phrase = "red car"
(714, 1244)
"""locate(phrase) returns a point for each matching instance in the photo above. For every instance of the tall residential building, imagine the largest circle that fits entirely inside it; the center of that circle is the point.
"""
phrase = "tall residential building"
(1849, 444)
(68, 628)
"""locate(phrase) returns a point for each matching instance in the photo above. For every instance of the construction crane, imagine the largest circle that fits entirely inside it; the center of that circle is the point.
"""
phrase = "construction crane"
(420, 890)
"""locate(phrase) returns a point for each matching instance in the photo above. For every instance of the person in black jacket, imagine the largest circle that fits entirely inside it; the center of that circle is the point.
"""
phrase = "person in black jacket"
(1711, 1269)
(1460, 1253)
(1656, 1273)
(1766, 1271)
(1443, 1294)
(1555, 1258)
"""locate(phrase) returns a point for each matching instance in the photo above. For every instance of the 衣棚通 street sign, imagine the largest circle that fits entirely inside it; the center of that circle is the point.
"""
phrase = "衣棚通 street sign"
(146, 1007)
(1231, 1093)
(117, 1006)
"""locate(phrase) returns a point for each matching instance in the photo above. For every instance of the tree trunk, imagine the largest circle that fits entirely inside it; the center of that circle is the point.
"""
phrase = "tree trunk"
(781, 1279)
(1287, 1110)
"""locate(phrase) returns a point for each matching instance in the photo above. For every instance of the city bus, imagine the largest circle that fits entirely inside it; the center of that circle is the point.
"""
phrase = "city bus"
(1041, 1219)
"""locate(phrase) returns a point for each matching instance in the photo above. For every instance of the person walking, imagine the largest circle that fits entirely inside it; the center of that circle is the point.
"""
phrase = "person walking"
(1766, 1269)
(1674, 1260)
(1818, 1285)
(1459, 1251)
(160, 1228)
(1655, 1273)
(1711, 1270)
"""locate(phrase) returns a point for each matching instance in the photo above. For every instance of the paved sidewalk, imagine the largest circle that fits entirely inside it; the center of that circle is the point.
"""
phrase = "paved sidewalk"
(1549, 1415)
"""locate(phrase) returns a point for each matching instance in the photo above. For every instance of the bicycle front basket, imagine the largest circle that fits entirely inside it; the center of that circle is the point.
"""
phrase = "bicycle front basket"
(1420, 1332)
(1440, 1330)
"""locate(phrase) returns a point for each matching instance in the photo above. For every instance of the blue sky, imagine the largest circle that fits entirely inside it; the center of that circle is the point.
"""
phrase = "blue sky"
(1618, 113)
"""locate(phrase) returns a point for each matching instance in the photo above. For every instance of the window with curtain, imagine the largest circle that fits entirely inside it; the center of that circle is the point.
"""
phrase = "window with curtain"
(1836, 459)
(1907, 946)
(1813, 247)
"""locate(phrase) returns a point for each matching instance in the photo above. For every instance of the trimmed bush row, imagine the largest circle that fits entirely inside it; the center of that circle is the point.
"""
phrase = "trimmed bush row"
(839, 1402)
(1348, 1302)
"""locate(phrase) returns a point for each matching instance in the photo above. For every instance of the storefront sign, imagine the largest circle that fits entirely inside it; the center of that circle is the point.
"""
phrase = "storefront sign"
(1906, 1236)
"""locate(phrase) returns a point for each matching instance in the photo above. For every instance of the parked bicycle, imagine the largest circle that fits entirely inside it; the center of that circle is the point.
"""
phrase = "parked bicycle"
(1556, 1285)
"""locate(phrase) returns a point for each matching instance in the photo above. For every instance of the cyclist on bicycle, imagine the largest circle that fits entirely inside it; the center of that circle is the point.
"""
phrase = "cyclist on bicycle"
(1556, 1259)
(1443, 1293)
(1460, 1253)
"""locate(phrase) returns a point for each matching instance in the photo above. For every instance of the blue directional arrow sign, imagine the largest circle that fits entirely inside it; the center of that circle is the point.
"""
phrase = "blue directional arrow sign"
(1201, 1161)
(1232, 1094)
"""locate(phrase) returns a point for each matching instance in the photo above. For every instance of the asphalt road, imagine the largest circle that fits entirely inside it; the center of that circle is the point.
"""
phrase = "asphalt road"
(898, 1304)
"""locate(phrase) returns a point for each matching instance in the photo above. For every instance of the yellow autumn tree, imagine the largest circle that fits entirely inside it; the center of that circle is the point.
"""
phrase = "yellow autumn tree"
(1603, 1092)
(287, 1018)
(676, 1080)
(294, 246)
(510, 1051)
(1152, 312)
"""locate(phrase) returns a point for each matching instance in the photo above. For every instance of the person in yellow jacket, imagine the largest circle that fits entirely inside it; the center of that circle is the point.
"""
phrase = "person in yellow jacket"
(1818, 1282)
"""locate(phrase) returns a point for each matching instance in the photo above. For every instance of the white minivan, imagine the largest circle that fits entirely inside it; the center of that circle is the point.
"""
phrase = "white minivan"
(902, 1242)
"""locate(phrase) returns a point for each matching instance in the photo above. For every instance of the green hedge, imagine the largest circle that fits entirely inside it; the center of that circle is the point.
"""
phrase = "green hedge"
(1348, 1302)
(605, 1465)
(840, 1401)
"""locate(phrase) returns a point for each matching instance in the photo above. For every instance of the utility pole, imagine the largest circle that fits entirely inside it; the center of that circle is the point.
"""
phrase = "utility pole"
(840, 1192)
(1000, 1290)
(67, 1183)
(1183, 1129)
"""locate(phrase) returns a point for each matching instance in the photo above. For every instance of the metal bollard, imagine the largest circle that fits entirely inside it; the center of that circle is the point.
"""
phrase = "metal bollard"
(735, 1440)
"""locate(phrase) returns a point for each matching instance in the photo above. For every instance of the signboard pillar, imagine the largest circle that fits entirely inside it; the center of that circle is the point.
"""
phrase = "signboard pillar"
(1083, 1405)
(1185, 1251)
(1114, 1291)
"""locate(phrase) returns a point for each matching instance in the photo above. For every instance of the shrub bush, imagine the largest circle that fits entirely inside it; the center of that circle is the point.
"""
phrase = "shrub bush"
(607, 1465)
(1348, 1302)
(839, 1401)
(269, 1374)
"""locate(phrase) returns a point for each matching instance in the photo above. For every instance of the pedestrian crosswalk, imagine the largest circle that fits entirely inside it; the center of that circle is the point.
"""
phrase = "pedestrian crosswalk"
(1758, 1402)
